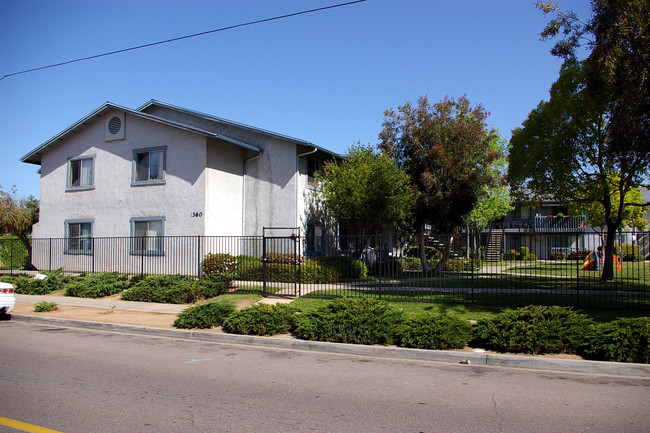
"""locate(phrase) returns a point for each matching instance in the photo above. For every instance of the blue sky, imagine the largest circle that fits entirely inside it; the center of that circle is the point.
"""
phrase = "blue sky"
(325, 77)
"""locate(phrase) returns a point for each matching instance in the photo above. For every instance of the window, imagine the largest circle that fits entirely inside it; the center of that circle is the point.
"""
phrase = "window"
(78, 237)
(313, 167)
(147, 235)
(80, 173)
(314, 238)
(149, 166)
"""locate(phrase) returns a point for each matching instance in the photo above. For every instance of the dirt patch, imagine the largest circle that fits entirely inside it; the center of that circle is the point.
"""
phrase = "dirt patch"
(108, 315)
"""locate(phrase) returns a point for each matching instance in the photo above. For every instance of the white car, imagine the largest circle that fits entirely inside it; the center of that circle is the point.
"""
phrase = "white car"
(7, 298)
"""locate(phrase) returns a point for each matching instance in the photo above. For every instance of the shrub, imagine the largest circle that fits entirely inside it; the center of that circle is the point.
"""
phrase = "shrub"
(350, 320)
(462, 265)
(27, 285)
(623, 340)
(13, 253)
(434, 331)
(633, 258)
(578, 255)
(44, 307)
(411, 263)
(624, 250)
(533, 329)
(510, 255)
(261, 319)
(388, 267)
(310, 272)
(431, 253)
(345, 266)
(248, 268)
(218, 264)
(97, 285)
(287, 259)
(557, 256)
(173, 289)
(204, 315)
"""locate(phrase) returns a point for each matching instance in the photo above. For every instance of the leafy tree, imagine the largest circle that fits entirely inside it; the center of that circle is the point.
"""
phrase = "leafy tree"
(17, 216)
(366, 192)
(633, 214)
(597, 121)
(446, 149)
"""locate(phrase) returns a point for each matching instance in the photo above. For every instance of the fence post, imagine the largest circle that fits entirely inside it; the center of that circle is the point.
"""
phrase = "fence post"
(577, 269)
(11, 256)
(49, 267)
(379, 263)
(471, 263)
(198, 256)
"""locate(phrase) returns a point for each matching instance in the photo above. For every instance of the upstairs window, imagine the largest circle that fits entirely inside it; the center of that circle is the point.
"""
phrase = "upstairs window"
(313, 167)
(78, 237)
(147, 236)
(149, 166)
(314, 238)
(80, 173)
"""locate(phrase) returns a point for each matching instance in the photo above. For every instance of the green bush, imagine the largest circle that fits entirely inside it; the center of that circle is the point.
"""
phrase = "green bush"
(345, 266)
(533, 329)
(26, 285)
(204, 315)
(97, 285)
(462, 265)
(431, 253)
(557, 256)
(624, 250)
(174, 289)
(350, 320)
(310, 272)
(623, 340)
(13, 253)
(261, 319)
(218, 264)
(246, 268)
(411, 263)
(510, 255)
(435, 332)
(286, 259)
(44, 307)
(391, 266)
(578, 255)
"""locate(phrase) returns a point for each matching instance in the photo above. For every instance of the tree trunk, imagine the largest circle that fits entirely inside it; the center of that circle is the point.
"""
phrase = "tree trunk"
(28, 246)
(423, 252)
(608, 254)
(446, 253)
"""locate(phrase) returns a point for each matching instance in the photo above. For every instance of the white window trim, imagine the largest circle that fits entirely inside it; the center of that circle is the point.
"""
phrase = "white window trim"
(68, 177)
(134, 239)
(66, 249)
(163, 168)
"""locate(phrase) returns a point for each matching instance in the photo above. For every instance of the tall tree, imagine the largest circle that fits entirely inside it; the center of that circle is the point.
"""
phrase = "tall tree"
(614, 83)
(446, 150)
(366, 192)
(17, 216)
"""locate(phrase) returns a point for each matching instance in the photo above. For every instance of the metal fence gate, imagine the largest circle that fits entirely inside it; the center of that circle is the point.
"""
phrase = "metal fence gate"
(278, 250)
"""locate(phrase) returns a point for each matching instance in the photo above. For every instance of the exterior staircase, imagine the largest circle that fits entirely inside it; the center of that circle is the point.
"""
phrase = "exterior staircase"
(494, 245)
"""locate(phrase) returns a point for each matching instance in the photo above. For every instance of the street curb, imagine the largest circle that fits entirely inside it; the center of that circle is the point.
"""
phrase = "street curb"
(446, 356)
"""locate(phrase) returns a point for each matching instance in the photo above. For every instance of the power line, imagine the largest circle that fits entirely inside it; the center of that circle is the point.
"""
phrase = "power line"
(250, 23)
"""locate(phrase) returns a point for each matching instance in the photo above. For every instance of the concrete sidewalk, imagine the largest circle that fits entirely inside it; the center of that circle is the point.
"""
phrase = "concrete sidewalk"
(480, 359)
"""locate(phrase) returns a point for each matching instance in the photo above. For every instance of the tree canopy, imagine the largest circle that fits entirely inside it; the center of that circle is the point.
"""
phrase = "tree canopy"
(17, 216)
(366, 191)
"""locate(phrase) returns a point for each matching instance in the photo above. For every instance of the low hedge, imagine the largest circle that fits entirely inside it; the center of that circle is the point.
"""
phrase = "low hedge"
(205, 315)
(534, 330)
(345, 266)
(261, 319)
(27, 285)
(623, 340)
(97, 285)
(174, 289)
(435, 332)
(350, 320)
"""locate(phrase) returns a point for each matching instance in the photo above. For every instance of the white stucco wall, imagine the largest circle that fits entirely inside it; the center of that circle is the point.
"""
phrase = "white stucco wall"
(113, 201)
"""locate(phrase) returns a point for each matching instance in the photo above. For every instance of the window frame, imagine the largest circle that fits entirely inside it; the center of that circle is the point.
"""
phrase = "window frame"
(314, 242)
(69, 171)
(136, 249)
(312, 171)
(81, 239)
(162, 166)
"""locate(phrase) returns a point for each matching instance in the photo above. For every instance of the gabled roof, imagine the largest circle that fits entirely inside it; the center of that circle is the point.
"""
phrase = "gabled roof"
(34, 157)
(219, 120)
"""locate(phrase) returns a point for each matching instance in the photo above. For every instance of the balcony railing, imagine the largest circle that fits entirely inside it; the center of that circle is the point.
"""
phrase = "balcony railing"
(559, 223)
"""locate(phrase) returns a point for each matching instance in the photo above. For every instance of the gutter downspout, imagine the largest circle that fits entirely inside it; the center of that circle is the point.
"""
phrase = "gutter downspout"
(298, 177)
(243, 202)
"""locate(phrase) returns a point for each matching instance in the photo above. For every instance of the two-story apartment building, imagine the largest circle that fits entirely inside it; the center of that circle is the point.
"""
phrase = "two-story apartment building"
(162, 170)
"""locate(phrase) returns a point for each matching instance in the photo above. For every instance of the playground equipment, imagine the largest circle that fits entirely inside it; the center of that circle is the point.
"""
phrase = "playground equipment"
(594, 262)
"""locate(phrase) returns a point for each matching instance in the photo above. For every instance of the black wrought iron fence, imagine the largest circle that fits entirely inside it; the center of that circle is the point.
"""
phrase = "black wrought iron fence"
(490, 268)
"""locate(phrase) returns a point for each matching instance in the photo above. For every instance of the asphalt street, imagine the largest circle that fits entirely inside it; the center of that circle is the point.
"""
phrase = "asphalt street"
(80, 380)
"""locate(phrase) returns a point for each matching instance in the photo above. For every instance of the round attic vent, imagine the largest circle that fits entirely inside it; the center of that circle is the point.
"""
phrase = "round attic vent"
(114, 125)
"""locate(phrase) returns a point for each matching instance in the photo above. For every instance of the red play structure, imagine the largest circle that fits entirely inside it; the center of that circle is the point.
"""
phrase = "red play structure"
(595, 262)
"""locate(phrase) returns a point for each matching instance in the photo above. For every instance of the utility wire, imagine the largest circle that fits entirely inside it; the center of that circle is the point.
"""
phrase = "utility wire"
(250, 23)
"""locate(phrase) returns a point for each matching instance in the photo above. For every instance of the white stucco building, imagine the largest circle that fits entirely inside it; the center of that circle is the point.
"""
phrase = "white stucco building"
(162, 170)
